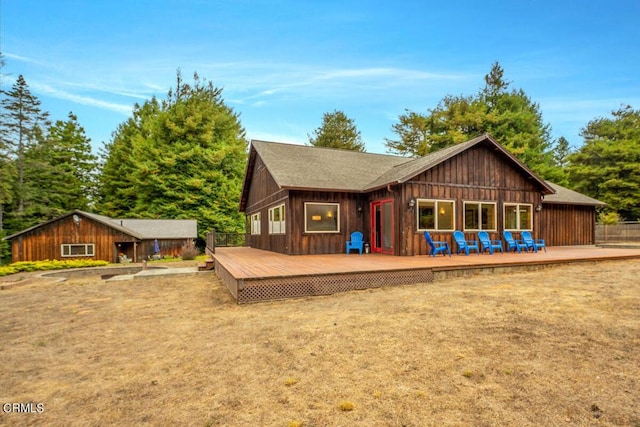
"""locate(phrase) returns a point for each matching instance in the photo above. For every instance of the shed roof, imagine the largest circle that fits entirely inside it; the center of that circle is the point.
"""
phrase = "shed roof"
(565, 196)
(142, 229)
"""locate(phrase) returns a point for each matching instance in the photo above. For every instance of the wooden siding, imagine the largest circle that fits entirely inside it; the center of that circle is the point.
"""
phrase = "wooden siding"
(264, 194)
(563, 225)
(46, 242)
(476, 175)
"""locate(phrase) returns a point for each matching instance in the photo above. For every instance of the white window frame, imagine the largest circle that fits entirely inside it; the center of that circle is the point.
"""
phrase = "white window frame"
(89, 250)
(517, 206)
(255, 221)
(277, 226)
(479, 205)
(323, 217)
(436, 209)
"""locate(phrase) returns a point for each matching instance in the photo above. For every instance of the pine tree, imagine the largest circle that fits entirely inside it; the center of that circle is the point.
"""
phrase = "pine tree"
(337, 131)
(181, 158)
(22, 126)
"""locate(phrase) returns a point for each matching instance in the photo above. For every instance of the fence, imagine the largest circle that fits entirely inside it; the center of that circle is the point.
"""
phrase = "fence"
(215, 239)
(621, 232)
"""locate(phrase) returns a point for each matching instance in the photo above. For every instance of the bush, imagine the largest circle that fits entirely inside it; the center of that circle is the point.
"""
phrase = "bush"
(189, 252)
(17, 267)
(609, 218)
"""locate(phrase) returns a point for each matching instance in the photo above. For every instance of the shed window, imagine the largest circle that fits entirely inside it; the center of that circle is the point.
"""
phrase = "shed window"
(435, 215)
(255, 223)
(321, 217)
(479, 216)
(277, 224)
(73, 250)
(518, 216)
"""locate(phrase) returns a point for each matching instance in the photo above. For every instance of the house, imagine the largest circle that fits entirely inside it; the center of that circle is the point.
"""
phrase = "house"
(308, 200)
(79, 234)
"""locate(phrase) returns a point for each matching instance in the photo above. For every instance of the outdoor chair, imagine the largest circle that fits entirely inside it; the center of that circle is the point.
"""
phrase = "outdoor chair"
(436, 246)
(465, 245)
(532, 243)
(355, 242)
(488, 244)
(513, 244)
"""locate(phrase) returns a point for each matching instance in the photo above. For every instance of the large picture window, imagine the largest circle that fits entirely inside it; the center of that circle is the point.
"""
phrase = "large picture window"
(479, 216)
(255, 223)
(321, 217)
(435, 215)
(277, 224)
(518, 216)
(73, 250)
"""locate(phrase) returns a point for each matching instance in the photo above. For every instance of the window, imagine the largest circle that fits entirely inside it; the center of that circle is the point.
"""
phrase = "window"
(479, 216)
(436, 215)
(321, 217)
(276, 220)
(518, 217)
(255, 223)
(72, 250)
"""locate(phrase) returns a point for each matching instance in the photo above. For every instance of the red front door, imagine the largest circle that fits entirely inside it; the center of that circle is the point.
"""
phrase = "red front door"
(382, 226)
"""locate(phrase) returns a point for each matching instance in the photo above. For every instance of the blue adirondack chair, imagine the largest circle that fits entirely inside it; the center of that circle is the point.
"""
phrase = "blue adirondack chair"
(532, 243)
(436, 246)
(488, 244)
(513, 244)
(355, 242)
(465, 245)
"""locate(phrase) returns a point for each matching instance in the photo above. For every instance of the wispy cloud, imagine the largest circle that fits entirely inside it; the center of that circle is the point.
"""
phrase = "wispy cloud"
(79, 99)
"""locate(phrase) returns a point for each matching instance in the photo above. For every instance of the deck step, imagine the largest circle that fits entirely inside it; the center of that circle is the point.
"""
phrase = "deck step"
(207, 266)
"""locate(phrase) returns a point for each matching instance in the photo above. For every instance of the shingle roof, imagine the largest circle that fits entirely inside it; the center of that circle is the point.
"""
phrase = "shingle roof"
(161, 228)
(569, 197)
(313, 168)
(143, 229)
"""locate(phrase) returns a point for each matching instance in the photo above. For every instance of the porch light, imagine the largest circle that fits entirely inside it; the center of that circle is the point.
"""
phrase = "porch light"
(316, 218)
(412, 203)
(539, 207)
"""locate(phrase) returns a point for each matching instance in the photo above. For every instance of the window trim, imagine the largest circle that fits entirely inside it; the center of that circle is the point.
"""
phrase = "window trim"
(68, 246)
(479, 204)
(282, 221)
(517, 206)
(436, 201)
(336, 231)
(255, 221)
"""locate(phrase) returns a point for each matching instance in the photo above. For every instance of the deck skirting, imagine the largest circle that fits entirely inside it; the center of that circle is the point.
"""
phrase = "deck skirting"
(275, 288)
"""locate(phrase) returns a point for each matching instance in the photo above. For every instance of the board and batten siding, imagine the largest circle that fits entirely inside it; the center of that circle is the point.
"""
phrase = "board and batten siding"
(46, 242)
(567, 225)
(479, 174)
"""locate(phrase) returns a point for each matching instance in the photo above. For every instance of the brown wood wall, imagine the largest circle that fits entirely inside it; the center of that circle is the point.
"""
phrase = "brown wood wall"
(478, 174)
(45, 242)
(563, 225)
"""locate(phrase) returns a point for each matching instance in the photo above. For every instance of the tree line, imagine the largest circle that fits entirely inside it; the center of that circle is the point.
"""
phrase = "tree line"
(184, 156)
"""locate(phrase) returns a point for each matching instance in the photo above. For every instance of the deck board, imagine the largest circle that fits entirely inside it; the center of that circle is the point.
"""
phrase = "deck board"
(252, 274)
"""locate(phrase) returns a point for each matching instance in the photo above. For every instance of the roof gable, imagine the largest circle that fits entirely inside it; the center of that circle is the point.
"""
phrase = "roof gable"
(324, 169)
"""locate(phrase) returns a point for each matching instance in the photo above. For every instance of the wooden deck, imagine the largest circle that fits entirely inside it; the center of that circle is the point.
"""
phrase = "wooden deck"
(256, 275)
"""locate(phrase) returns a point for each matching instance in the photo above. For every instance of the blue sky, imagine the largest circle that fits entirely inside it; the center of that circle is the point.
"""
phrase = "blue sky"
(283, 64)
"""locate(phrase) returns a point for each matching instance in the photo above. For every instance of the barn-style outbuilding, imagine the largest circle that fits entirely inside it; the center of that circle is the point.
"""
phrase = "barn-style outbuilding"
(308, 200)
(79, 234)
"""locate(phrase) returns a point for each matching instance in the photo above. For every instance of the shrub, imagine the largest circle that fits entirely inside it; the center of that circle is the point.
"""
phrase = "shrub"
(346, 406)
(609, 218)
(26, 266)
(189, 252)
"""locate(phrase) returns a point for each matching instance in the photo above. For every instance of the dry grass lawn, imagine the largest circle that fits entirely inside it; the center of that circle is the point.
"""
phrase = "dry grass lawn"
(554, 347)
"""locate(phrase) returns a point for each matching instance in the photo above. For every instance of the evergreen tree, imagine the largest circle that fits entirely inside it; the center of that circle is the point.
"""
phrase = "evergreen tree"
(62, 170)
(607, 165)
(337, 131)
(181, 158)
(22, 126)
(508, 116)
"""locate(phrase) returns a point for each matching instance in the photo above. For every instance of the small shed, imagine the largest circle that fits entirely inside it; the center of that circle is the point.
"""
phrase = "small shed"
(79, 234)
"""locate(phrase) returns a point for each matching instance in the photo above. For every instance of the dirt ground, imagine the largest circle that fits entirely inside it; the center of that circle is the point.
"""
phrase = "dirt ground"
(556, 347)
